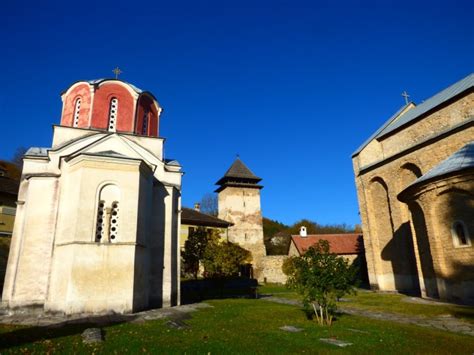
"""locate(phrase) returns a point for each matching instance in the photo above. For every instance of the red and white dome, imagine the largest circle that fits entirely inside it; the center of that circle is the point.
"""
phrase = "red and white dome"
(112, 105)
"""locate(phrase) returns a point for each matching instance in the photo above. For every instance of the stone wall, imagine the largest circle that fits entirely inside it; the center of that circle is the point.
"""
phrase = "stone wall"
(392, 252)
(271, 268)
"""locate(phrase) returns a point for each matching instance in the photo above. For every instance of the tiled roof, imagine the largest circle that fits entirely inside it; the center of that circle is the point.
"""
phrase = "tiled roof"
(239, 170)
(238, 175)
(427, 105)
(461, 160)
(9, 186)
(346, 243)
(192, 217)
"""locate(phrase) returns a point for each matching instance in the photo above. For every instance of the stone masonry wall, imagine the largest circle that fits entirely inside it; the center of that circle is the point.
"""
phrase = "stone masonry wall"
(391, 250)
(271, 266)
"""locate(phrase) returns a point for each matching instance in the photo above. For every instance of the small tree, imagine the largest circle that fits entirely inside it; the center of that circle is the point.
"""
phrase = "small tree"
(321, 277)
(224, 259)
(195, 246)
(209, 204)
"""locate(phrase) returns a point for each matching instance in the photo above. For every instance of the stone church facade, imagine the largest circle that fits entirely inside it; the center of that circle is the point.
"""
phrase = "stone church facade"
(96, 229)
(415, 186)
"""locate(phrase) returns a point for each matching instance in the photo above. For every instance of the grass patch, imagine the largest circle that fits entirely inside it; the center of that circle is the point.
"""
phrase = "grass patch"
(397, 303)
(240, 326)
(385, 302)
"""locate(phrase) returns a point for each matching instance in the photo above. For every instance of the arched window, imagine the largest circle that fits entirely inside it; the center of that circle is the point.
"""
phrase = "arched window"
(113, 111)
(107, 220)
(77, 109)
(145, 122)
(460, 234)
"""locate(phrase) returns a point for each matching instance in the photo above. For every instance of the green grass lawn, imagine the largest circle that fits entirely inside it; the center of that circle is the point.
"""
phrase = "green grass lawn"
(240, 326)
(384, 302)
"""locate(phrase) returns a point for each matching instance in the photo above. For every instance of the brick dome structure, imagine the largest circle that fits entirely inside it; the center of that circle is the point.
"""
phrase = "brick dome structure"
(112, 105)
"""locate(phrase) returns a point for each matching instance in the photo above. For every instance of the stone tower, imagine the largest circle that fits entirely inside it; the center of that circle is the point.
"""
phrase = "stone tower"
(239, 203)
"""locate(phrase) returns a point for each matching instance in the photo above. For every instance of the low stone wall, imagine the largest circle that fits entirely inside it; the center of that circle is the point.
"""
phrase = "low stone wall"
(271, 268)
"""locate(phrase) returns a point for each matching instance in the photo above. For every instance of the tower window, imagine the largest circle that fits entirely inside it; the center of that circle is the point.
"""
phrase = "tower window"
(460, 234)
(113, 111)
(77, 109)
(145, 122)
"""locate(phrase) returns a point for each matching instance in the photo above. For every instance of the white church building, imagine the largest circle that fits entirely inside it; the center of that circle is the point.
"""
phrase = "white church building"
(97, 221)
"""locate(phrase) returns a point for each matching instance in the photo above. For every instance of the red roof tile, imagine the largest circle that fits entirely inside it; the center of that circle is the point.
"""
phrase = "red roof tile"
(346, 243)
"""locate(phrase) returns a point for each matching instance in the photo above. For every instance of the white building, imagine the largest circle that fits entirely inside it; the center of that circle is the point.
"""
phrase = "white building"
(97, 221)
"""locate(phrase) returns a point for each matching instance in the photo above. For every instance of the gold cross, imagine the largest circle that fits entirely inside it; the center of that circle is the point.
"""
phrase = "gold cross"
(406, 96)
(117, 72)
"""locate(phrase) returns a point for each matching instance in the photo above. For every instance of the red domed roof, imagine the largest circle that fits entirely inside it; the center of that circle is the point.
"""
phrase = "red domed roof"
(112, 105)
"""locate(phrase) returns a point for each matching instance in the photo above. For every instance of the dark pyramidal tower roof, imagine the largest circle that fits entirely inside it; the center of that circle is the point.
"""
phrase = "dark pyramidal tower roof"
(238, 175)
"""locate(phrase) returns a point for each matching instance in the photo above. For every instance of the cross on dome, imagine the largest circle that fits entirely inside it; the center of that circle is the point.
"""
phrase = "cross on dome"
(117, 72)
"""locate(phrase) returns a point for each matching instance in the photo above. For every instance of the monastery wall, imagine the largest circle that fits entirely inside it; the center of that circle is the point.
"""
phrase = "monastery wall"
(271, 268)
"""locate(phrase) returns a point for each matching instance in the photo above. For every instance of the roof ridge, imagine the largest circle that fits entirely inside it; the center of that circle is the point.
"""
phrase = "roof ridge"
(430, 103)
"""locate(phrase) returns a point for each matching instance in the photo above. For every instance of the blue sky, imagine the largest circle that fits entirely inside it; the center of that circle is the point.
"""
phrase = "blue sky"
(294, 87)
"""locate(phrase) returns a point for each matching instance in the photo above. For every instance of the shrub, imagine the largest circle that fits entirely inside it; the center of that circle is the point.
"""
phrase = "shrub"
(321, 277)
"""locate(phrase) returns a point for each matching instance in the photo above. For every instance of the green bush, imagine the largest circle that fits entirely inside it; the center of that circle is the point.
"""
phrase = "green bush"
(321, 278)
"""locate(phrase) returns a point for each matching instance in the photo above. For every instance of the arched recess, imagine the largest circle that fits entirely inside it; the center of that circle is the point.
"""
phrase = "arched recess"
(405, 232)
(381, 230)
(108, 214)
(425, 256)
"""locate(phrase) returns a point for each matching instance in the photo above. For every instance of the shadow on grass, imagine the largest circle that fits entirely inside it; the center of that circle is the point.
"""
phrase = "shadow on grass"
(193, 291)
(27, 335)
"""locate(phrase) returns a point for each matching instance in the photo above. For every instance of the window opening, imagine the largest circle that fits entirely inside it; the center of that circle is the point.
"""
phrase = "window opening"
(77, 109)
(114, 220)
(145, 122)
(99, 233)
(113, 110)
(461, 237)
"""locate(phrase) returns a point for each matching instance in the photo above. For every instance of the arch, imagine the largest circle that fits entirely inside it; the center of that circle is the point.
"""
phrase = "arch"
(427, 272)
(134, 92)
(124, 120)
(456, 190)
(147, 104)
(70, 115)
(397, 266)
(413, 168)
(107, 219)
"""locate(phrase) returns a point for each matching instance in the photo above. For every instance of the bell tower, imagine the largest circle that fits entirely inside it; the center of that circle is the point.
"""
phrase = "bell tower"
(239, 203)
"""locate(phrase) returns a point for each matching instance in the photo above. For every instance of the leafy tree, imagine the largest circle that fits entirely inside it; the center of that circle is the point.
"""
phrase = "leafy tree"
(321, 277)
(209, 204)
(223, 259)
(195, 246)
(272, 227)
(276, 241)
